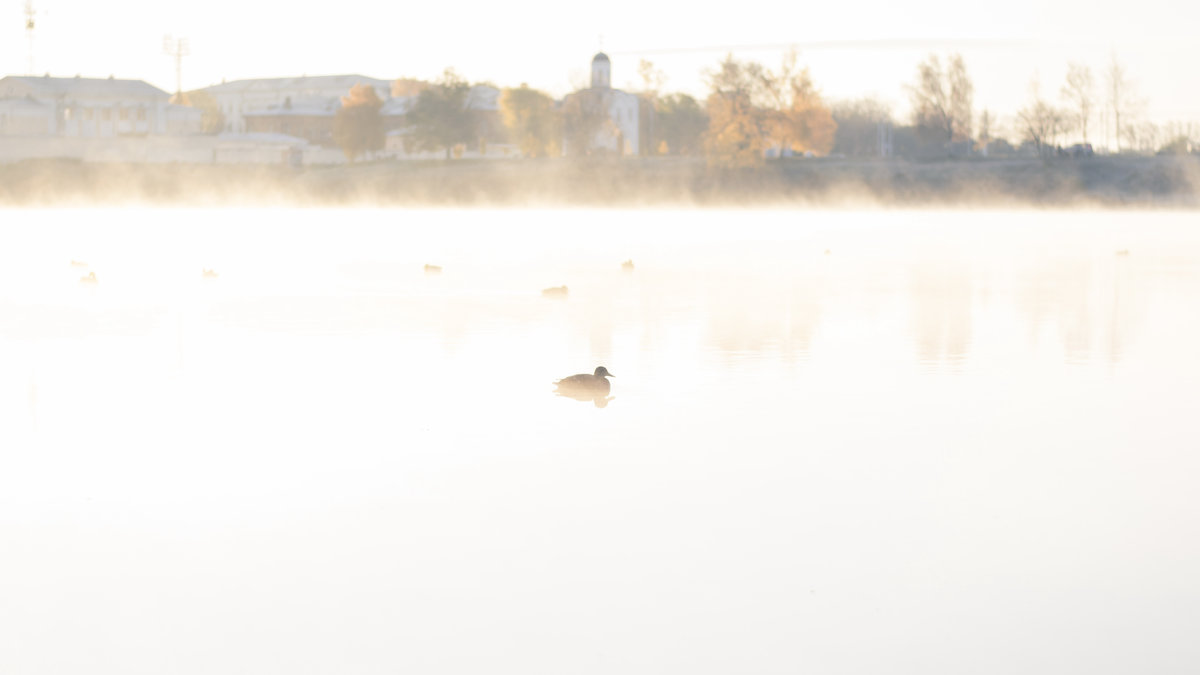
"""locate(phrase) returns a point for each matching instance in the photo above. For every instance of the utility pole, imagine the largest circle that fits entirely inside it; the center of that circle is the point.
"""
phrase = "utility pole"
(177, 48)
(30, 22)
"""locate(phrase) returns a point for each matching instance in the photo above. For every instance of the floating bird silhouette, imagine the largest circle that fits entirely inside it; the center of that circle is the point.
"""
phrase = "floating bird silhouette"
(90, 279)
(627, 265)
(78, 263)
(209, 274)
(555, 292)
(433, 270)
(585, 387)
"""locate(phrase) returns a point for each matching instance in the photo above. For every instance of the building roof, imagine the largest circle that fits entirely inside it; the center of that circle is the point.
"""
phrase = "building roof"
(55, 87)
(301, 109)
(302, 82)
(399, 105)
(600, 56)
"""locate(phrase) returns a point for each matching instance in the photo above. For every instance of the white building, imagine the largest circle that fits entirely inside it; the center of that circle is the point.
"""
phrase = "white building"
(81, 107)
(24, 117)
(618, 127)
(236, 99)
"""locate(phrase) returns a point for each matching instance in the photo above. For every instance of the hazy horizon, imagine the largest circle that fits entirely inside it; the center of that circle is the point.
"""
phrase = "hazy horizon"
(852, 51)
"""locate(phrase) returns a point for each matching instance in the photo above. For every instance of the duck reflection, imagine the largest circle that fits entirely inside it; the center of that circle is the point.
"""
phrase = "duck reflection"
(598, 401)
(592, 387)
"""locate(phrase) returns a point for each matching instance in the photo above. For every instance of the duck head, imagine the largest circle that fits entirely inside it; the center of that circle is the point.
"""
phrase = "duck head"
(602, 372)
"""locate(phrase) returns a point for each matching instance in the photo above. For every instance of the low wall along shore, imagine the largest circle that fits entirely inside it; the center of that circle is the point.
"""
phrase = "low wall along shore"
(1167, 182)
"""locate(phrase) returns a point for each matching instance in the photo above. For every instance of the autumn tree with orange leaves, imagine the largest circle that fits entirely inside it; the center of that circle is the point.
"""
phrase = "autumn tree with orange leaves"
(736, 126)
(796, 117)
(752, 108)
(532, 122)
(358, 127)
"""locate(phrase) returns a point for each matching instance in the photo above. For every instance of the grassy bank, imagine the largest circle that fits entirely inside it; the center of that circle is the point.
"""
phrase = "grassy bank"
(1170, 182)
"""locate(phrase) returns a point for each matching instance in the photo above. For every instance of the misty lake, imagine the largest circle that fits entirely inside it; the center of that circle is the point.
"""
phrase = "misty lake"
(837, 442)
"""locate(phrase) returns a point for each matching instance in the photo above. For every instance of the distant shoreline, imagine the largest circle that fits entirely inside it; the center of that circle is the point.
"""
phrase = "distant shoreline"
(1113, 182)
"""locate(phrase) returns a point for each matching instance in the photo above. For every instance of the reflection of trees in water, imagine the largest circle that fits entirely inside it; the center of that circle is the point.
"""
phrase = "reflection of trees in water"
(765, 317)
(941, 312)
(1095, 306)
(1058, 292)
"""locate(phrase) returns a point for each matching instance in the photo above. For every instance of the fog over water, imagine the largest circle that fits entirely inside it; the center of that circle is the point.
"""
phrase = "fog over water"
(838, 442)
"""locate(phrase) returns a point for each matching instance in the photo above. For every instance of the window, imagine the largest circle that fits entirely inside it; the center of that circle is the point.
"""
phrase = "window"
(106, 114)
(88, 114)
(124, 114)
(141, 116)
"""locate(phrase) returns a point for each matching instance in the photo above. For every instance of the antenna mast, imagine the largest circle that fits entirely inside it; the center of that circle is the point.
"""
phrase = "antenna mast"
(30, 22)
(177, 49)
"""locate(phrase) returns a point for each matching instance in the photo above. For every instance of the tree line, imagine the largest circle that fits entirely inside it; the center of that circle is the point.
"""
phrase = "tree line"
(943, 120)
(754, 113)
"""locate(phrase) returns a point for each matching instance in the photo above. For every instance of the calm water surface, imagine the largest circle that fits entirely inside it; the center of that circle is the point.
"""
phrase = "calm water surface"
(837, 442)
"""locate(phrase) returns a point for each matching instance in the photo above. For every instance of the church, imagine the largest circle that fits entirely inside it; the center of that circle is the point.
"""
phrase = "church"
(603, 120)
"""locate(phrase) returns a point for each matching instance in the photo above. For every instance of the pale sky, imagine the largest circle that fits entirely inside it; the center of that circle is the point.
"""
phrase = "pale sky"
(549, 44)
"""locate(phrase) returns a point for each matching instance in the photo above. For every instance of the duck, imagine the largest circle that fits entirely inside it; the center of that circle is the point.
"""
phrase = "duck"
(433, 270)
(593, 385)
(78, 263)
(209, 274)
(627, 265)
(555, 292)
(89, 279)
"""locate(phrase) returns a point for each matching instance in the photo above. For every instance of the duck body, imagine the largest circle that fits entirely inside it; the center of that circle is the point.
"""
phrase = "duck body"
(555, 292)
(591, 385)
(89, 280)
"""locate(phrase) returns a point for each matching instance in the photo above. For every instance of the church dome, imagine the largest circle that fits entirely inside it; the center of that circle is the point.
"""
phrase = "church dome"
(601, 71)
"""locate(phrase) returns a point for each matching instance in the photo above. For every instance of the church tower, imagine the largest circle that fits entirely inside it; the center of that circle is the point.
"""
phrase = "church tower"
(601, 71)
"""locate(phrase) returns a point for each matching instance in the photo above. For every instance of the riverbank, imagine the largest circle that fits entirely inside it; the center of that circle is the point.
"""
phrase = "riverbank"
(1154, 182)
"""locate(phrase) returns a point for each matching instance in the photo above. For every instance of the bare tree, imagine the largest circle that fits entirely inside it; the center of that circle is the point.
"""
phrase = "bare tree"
(1039, 121)
(941, 99)
(1121, 101)
(1143, 137)
(962, 95)
(858, 130)
(985, 131)
(1079, 93)
(1179, 138)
